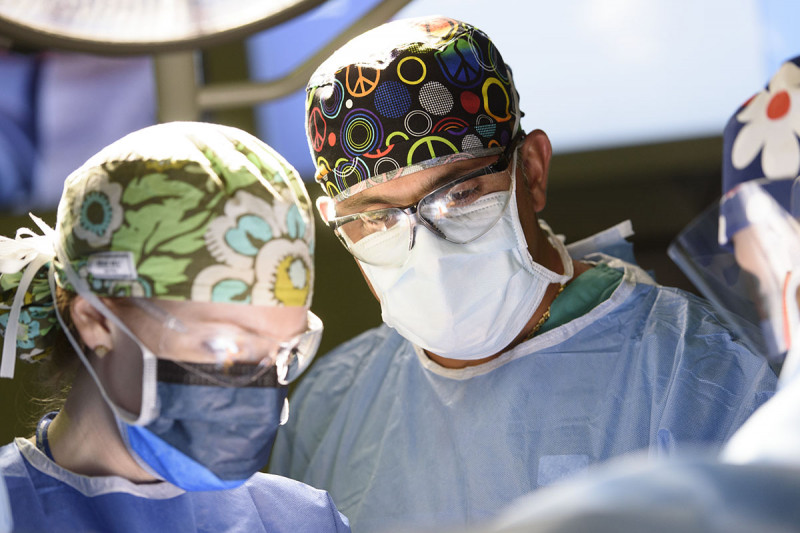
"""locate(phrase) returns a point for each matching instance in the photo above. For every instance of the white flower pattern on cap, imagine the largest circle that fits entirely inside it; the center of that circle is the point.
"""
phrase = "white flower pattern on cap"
(772, 126)
(266, 253)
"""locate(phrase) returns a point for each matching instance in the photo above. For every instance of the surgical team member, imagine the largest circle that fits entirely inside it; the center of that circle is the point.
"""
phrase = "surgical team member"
(173, 295)
(504, 363)
(744, 254)
(762, 140)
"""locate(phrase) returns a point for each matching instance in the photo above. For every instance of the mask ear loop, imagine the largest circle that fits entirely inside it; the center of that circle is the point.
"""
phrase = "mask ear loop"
(149, 408)
(522, 244)
(566, 259)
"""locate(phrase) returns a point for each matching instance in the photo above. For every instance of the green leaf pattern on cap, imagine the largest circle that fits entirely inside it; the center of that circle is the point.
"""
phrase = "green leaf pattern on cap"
(180, 211)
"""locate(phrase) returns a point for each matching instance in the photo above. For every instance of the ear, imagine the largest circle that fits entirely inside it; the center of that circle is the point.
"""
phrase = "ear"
(91, 325)
(536, 154)
(326, 208)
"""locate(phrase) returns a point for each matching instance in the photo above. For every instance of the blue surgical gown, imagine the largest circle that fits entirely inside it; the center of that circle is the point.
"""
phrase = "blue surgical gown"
(689, 495)
(400, 441)
(46, 497)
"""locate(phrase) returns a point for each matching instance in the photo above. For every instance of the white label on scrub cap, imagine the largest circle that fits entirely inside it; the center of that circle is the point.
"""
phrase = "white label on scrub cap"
(112, 265)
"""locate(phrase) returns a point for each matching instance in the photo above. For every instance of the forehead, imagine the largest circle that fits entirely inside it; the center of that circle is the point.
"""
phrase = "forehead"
(401, 172)
(275, 321)
(410, 187)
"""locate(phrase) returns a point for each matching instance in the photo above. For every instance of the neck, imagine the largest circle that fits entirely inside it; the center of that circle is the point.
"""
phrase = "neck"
(549, 296)
(84, 437)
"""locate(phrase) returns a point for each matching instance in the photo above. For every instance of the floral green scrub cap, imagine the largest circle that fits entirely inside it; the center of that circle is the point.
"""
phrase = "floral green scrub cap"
(405, 96)
(179, 211)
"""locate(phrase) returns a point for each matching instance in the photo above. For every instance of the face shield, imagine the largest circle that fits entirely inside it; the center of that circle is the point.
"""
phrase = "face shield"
(743, 254)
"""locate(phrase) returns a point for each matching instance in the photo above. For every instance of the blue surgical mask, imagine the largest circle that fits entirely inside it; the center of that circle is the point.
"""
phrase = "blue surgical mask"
(206, 436)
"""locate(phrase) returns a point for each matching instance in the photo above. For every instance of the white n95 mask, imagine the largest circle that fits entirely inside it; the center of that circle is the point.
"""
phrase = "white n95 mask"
(467, 301)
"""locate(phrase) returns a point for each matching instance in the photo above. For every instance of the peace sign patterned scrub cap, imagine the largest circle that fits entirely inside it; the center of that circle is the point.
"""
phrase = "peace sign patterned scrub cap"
(179, 211)
(406, 96)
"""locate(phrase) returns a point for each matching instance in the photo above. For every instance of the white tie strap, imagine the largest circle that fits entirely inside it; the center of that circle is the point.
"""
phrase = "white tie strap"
(27, 251)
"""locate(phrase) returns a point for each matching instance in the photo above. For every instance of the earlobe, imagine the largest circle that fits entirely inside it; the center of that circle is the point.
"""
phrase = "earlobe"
(326, 208)
(536, 154)
(90, 324)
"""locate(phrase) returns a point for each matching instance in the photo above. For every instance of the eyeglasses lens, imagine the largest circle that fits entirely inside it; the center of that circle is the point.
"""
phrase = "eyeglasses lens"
(460, 212)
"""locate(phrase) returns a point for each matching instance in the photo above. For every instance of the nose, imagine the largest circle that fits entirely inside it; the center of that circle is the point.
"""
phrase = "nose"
(418, 221)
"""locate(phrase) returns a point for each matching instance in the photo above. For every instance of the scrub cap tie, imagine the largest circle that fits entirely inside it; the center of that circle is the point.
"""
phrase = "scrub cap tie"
(762, 138)
(180, 211)
(26, 305)
(405, 96)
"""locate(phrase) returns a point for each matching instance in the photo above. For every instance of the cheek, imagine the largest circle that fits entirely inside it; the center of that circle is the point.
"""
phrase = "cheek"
(375, 294)
(121, 373)
(527, 213)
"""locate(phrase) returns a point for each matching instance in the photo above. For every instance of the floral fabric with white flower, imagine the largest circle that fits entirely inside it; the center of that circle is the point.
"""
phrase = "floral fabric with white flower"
(763, 138)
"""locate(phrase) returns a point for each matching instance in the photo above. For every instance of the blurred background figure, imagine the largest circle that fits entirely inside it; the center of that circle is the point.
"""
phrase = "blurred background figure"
(56, 110)
(766, 241)
(745, 256)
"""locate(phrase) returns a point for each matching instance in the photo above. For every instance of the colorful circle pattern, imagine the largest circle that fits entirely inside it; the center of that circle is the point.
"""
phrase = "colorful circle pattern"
(405, 96)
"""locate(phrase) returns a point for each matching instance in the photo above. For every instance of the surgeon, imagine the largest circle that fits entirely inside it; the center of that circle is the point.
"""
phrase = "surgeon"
(506, 360)
(744, 254)
(172, 301)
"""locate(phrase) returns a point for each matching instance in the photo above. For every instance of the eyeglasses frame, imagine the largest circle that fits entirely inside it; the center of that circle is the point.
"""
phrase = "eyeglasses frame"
(411, 211)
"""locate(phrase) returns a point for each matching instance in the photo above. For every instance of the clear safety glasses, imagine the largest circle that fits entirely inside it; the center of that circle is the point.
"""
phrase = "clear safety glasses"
(459, 212)
(225, 354)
